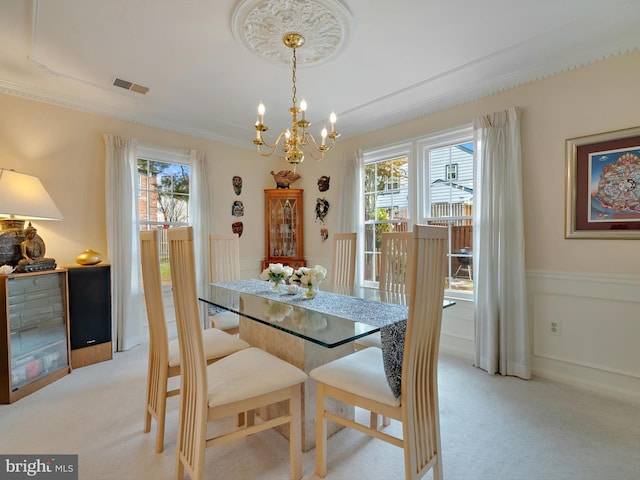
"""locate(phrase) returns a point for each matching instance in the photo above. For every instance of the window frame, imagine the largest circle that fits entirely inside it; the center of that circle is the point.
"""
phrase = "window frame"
(172, 157)
(416, 150)
(387, 153)
(451, 172)
(424, 145)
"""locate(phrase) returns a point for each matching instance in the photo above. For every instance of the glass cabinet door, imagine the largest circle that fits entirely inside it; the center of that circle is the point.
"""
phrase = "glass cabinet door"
(284, 227)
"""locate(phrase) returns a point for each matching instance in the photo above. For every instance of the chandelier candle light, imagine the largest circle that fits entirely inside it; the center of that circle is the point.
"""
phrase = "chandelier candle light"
(297, 140)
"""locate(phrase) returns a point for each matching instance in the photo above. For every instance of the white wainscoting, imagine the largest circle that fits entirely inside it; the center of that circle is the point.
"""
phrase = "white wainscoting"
(250, 267)
(586, 330)
(457, 335)
(596, 342)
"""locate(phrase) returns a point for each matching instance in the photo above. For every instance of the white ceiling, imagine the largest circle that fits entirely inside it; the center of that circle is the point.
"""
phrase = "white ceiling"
(405, 58)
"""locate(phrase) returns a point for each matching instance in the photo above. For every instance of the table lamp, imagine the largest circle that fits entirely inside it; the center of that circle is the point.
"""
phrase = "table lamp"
(22, 198)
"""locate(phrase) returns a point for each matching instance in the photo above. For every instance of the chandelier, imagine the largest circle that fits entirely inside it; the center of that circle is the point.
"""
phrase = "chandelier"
(297, 140)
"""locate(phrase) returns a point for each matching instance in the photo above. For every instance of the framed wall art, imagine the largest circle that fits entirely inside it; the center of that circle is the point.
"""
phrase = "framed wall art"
(602, 198)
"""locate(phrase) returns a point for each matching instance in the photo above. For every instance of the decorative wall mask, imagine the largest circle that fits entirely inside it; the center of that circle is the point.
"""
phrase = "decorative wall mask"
(324, 234)
(322, 207)
(323, 183)
(237, 209)
(237, 184)
(284, 178)
(237, 227)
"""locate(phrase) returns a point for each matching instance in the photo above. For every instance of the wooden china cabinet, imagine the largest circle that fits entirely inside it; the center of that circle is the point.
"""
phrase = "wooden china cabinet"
(283, 227)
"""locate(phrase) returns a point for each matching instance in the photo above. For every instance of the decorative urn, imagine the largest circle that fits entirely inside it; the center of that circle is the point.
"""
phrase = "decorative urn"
(89, 257)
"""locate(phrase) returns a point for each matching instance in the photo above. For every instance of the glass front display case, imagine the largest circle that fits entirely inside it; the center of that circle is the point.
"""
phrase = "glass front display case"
(283, 224)
(34, 350)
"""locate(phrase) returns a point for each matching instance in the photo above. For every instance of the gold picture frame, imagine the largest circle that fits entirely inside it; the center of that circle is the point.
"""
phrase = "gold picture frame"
(602, 191)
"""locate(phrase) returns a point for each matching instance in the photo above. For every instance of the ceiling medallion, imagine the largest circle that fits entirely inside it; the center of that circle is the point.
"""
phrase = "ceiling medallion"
(259, 26)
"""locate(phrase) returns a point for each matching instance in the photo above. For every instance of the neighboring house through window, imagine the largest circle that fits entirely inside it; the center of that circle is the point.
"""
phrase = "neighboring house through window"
(447, 185)
(386, 202)
(432, 176)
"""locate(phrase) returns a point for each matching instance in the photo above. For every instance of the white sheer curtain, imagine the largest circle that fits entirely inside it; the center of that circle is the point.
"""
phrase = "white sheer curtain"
(201, 208)
(122, 239)
(350, 204)
(502, 331)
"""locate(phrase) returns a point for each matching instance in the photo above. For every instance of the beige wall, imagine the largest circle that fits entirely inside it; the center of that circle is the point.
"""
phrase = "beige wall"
(597, 98)
(588, 286)
(65, 149)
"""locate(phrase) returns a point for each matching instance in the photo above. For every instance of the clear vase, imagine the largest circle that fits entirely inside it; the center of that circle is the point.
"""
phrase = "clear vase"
(309, 292)
(276, 286)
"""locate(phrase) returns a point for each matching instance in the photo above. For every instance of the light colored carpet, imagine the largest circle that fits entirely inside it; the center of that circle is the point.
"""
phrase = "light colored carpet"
(492, 427)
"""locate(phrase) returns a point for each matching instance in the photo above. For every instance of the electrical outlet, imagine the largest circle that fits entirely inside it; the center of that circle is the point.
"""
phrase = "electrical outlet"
(554, 327)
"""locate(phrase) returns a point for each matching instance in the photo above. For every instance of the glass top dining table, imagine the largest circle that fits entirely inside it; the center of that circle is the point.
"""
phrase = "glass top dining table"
(334, 317)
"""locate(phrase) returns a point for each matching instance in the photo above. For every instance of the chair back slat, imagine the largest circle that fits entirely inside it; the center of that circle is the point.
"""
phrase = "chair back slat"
(425, 292)
(224, 257)
(158, 339)
(394, 250)
(193, 381)
(344, 259)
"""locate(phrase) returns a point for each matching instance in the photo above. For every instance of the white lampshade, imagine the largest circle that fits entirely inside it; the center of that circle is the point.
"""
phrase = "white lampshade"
(23, 197)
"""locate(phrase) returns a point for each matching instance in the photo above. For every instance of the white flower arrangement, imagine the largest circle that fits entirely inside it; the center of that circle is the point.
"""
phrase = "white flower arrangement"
(6, 269)
(309, 277)
(276, 272)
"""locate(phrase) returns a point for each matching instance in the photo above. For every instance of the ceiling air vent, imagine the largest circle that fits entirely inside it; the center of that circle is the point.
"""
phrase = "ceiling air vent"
(118, 82)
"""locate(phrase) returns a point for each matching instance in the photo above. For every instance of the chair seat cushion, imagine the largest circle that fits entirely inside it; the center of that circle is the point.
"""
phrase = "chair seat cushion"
(361, 373)
(216, 343)
(249, 373)
(225, 320)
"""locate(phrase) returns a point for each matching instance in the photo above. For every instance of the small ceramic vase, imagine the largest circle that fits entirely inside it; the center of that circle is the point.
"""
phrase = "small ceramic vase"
(89, 257)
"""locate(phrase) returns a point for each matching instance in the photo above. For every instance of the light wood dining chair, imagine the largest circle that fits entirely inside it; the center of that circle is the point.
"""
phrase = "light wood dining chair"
(164, 356)
(344, 259)
(224, 266)
(394, 250)
(361, 379)
(244, 381)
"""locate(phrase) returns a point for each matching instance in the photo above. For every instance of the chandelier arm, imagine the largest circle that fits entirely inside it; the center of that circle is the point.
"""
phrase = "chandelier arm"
(324, 148)
(272, 147)
(312, 147)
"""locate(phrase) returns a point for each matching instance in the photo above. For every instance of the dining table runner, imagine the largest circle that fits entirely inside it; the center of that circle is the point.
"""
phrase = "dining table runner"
(390, 318)
(364, 310)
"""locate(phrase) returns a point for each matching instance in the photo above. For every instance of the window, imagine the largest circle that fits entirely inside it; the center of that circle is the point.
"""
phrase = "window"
(447, 193)
(433, 177)
(451, 171)
(386, 203)
(163, 199)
